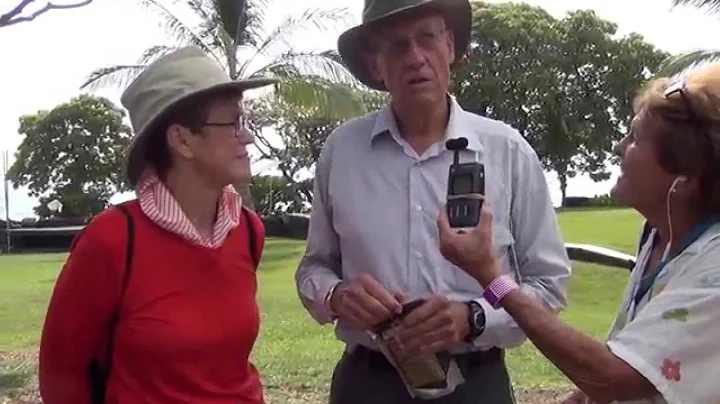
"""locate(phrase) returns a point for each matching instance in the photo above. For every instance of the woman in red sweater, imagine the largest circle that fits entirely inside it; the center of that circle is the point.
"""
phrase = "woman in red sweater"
(157, 300)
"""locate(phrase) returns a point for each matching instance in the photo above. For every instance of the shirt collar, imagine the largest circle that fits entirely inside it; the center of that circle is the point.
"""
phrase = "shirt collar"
(385, 124)
(150, 178)
(158, 203)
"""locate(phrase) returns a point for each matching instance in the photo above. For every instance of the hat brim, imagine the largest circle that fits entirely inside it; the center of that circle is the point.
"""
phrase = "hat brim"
(352, 44)
(136, 161)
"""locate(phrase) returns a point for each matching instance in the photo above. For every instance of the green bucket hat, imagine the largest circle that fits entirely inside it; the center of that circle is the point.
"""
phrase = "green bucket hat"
(353, 42)
(162, 85)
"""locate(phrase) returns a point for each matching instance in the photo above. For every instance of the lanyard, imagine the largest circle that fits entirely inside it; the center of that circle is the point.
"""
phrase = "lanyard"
(695, 234)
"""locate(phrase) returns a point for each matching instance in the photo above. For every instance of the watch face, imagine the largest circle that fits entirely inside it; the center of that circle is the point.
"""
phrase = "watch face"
(479, 318)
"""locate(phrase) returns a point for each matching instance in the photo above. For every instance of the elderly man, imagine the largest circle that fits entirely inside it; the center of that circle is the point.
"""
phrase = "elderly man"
(379, 185)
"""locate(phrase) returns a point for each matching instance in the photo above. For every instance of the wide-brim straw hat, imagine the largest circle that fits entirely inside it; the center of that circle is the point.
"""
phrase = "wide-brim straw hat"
(353, 43)
(174, 78)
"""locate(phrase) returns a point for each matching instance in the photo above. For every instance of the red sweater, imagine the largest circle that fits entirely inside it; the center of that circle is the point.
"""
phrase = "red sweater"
(188, 322)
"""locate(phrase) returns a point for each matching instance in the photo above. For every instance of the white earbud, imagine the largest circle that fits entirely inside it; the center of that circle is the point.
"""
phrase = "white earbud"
(678, 179)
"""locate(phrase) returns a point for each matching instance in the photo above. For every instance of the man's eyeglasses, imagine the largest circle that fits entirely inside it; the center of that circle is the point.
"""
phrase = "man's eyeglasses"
(426, 39)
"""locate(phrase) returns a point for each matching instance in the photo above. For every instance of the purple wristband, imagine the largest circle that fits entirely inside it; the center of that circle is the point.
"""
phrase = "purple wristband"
(498, 289)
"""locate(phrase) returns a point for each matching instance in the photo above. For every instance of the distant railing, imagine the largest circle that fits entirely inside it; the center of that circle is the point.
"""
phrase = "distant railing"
(59, 238)
(599, 255)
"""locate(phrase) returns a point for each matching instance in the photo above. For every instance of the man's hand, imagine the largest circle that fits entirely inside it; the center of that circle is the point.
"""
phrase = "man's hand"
(436, 325)
(472, 251)
(364, 303)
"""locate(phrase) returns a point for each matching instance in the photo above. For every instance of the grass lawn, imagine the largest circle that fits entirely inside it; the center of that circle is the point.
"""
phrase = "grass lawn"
(294, 352)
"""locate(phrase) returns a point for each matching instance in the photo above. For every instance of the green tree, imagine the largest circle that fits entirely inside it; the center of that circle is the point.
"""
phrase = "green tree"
(299, 136)
(16, 16)
(299, 133)
(566, 84)
(73, 153)
(678, 63)
(233, 33)
(274, 193)
(75, 203)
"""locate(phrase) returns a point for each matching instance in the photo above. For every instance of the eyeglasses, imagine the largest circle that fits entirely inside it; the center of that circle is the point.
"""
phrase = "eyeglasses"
(426, 39)
(694, 120)
(238, 126)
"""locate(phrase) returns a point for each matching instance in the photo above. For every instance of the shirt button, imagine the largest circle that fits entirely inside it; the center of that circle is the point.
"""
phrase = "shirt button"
(418, 254)
(418, 208)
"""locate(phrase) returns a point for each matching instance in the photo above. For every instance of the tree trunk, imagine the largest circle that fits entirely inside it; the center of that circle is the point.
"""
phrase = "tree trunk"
(563, 188)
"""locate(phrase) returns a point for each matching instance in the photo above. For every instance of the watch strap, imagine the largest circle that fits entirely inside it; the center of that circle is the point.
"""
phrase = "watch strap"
(498, 289)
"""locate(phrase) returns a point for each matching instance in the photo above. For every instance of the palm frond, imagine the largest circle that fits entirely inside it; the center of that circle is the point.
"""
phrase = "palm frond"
(200, 8)
(332, 100)
(207, 32)
(173, 26)
(684, 62)
(707, 5)
(293, 25)
(223, 43)
(334, 55)
(326, 64)
(154, 52)
(253, 23)
(279, 40)
(208, 22)
(119, 75)
(279, 71)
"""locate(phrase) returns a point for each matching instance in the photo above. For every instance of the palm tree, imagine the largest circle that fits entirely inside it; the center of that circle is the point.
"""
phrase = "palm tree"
(678, 63)
(232, 32)
(711, 5)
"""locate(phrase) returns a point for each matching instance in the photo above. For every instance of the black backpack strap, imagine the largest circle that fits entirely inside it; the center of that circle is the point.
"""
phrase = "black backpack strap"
(100, 376)
(252, 236)
(644, 236)
(130, 246)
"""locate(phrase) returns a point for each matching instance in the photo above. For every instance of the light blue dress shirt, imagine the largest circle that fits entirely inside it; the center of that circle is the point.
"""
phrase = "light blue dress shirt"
(375, 211)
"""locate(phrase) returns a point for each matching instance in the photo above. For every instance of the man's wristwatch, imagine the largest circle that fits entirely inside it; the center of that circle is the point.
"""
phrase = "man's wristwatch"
(476, 319)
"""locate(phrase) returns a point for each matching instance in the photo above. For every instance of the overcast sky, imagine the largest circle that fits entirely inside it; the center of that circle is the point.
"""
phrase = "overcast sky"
(45, 61)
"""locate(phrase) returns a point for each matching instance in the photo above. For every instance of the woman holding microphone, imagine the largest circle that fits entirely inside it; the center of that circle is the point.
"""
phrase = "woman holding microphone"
(664, 346)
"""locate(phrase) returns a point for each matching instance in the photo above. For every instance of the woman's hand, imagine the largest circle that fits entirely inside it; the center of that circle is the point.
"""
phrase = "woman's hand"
(578, 397)
(472, 251)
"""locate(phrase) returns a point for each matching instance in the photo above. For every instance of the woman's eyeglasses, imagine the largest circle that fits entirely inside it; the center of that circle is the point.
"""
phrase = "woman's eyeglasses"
(698, 125)
(238, 125)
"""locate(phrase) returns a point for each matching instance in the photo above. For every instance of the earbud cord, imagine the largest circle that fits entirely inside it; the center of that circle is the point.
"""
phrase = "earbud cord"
(669, 218)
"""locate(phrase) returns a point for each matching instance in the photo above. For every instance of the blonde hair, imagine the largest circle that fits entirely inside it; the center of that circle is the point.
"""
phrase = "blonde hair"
(689, 144)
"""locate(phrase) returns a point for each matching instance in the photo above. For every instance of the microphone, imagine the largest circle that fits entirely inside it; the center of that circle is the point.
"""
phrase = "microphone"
(466, 187)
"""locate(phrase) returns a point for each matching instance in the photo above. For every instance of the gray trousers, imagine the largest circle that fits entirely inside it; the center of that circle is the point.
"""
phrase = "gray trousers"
(364, 376)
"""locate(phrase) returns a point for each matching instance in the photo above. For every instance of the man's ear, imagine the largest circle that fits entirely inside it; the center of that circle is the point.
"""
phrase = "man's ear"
(450, 43)
(179, 139)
